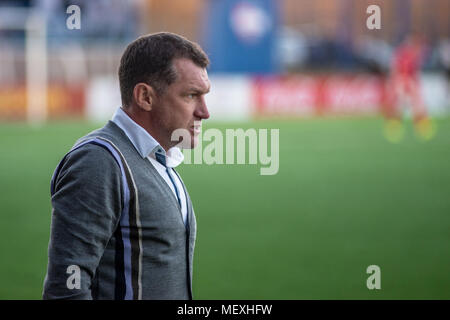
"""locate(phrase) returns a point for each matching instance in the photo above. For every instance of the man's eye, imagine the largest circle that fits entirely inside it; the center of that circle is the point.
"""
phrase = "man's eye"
(191, 96)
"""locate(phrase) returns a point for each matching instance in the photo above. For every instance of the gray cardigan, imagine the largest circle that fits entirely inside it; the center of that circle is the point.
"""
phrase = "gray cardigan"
(116, 220)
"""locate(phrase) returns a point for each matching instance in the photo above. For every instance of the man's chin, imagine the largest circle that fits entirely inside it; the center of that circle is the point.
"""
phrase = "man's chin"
(190, 143)
(186, 138)
(194, 141)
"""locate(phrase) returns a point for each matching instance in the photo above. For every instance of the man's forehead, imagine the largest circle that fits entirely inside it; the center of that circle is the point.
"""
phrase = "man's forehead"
(191, 75)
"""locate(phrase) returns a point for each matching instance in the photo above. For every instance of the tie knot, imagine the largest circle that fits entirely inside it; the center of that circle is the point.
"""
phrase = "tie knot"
(160, 157)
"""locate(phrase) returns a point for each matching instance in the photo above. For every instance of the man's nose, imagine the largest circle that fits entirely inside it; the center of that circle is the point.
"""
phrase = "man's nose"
(202, 110)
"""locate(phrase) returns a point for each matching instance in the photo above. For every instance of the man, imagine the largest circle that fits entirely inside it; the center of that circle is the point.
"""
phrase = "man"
(123, 226)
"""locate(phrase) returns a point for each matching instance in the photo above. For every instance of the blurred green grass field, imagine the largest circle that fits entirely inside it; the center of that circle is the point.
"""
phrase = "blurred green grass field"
(344, 199)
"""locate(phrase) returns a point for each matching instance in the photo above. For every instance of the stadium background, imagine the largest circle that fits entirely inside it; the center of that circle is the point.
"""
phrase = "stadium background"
(344, 198)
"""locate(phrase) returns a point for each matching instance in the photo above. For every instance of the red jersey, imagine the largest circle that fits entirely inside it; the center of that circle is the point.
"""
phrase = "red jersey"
(407, 60)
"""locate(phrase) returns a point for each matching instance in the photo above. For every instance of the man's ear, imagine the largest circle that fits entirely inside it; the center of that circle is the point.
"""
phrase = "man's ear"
(144, 96)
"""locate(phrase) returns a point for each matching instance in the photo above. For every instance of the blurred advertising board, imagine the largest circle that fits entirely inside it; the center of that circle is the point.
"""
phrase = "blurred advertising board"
(355, 94)
(241, 97)
(334, 94)
(63, 101)
(276, 95)
(311, 95)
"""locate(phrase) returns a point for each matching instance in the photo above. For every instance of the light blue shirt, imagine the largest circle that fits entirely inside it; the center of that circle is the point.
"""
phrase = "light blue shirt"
(144, 143)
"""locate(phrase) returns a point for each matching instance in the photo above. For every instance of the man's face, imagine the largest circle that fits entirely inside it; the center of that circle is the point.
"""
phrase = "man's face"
(182, 105)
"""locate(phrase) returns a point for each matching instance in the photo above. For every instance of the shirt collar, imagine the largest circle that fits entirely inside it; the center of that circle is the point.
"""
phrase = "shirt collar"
(144, 143)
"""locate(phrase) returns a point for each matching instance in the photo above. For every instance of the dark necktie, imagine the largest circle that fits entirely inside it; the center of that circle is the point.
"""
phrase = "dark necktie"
(161, 158)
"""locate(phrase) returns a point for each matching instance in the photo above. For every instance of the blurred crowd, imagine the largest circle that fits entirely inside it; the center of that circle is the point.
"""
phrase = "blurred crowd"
(102, 20)
(116, 22)
(298, 52)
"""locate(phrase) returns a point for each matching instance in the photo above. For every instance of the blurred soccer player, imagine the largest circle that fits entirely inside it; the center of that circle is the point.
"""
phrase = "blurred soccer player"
(405, 85)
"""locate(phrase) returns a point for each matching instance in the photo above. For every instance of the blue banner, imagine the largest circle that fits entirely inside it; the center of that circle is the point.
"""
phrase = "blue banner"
(239, 35)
